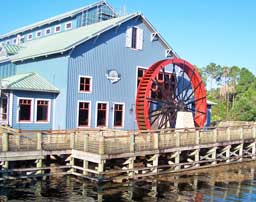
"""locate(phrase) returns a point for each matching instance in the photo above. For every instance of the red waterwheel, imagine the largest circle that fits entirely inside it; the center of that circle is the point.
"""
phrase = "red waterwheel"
(167, 87)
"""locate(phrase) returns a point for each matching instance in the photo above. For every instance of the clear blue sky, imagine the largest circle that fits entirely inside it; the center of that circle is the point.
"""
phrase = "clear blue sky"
(200, 31)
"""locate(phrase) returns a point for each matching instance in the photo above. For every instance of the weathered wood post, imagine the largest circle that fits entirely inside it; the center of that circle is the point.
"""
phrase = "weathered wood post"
(156, 141)
(86, 149)
(5, 147)
(177, 154)
(101, 151)
(132, 150)
(72, 146)
(242, 144)
(214, 150)
(228, 147)
(254, 142)
(132, 142)
(39, 162)
(197, 153)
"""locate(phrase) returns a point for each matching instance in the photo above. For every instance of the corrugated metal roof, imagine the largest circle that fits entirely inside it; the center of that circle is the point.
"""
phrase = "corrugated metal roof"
(53, 19)
(11, 49)
(64, 41)
(28, 82)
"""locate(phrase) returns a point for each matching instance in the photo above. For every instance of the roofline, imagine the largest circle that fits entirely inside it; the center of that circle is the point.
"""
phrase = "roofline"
(164, 43)
(55, 18)
(32, 90)
(153, 29)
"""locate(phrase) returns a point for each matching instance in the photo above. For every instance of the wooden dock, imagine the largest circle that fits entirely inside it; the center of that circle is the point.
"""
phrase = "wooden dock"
(118, 155)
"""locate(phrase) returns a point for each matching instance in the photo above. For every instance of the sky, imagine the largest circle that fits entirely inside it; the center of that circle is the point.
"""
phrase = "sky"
(200, 31)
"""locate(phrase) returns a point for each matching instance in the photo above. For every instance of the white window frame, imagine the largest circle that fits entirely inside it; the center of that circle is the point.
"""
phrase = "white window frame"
(96, 113)
(67, 24)
(31, 112)
(138, 39)
(29, 35)
(89, 113)
(137, 68)
(56, 27)
(113, 114)
(45, 31)
(40, 34)
(85, 76)
(49, 111)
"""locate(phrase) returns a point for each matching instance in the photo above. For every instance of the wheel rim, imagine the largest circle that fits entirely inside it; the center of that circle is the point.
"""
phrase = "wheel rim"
(181, 89)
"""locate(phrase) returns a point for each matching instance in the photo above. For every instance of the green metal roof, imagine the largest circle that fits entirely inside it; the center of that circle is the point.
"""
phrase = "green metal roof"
(28, 82)
(54, 19)
(59, 43)
(11, 49)
(64, 41)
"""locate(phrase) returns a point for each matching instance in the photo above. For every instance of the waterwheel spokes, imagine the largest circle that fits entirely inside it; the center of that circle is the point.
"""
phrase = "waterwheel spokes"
(158, 102)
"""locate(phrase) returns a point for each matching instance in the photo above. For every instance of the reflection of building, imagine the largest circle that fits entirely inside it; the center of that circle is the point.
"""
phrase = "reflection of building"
(78, 69)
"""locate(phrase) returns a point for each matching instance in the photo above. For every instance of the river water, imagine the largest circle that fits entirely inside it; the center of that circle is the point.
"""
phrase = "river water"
(226, 183)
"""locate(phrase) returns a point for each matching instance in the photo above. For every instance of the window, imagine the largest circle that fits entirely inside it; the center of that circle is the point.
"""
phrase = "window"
(85, 84)
(42, 113)
(68, 25)
(14, 41)
(47, 31)
(83, 114)
(140, 74)
(101, 114)
(25, 110)
(134, 38)
(118, 115)
(57, 29)
(8, 42)
(4, 109)
(29, 37)
(38, 34)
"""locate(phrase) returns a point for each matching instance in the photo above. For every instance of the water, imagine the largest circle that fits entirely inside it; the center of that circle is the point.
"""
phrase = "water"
(229, 183)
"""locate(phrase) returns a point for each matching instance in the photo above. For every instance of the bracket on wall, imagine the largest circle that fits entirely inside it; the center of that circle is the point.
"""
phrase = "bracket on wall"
(169, 53)
(154, 36)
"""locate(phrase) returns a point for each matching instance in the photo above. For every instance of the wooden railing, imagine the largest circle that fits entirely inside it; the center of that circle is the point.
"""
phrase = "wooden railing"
(113, 142)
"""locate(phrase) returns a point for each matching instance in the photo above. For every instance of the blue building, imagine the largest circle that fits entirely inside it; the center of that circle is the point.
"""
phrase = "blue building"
(77, 70)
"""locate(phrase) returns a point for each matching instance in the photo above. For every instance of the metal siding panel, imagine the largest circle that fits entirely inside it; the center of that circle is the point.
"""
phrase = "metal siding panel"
(7, 69)
(109, 52)
(55, 71)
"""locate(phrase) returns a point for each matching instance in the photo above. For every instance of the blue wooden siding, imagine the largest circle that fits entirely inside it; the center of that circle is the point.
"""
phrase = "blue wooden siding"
(33, 125)
(55, 71)
(7, 69)
(95, 58)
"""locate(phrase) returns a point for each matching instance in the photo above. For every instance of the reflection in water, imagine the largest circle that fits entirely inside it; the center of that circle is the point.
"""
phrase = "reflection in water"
(229, 183)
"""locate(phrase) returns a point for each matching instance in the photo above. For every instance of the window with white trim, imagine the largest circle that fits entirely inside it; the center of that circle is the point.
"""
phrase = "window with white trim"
(57, 28)
(118, 115)
(47, 31)
(42, 113)
(101, 115)
(134, 38)
(29, 36)
(14, 41)
(25, 110)
(140, 74)
(83, 114)
(68, 25)
(85, 85)
(38, 34)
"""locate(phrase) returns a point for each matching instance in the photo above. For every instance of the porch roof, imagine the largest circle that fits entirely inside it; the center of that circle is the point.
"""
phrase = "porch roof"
(28, 82)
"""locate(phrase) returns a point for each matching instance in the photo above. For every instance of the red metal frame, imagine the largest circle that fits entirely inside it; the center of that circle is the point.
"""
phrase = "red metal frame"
(144, 91)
